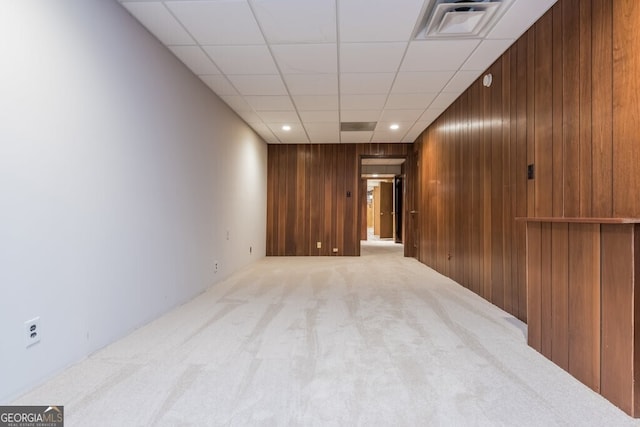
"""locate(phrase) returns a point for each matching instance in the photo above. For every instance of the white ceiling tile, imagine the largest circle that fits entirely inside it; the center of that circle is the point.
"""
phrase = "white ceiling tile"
(386, 137)
(374, 35)
(323, 127)
(520, 16)
(316, 102)
(362, 102)
(396, 116)
(430, 115)
(237, 103)
(298, 138)
(319, 116)
(279, 116)
(220, 85)
(486, 54)
(269, 137)
(157, 19)
(312, 84)
(218, 22)
(437, 55)
(265, 132)
(461, 81)
(296, 135)
(323, 133)
(250, 117)
(270, 103)
(306, 58)
(415, 131)
(360, 115)
(296, 21)
(403, 127)
(194, 58)
(371, 57)
(261, 128)
(254, 59)
(400, 101)
(416, 82)
(355, 137)
(444, 99)
(366, 20)
(366, 83)
(258, 85)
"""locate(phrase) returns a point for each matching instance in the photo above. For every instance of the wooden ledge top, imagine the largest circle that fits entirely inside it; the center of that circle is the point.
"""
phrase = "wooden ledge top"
(581, 220)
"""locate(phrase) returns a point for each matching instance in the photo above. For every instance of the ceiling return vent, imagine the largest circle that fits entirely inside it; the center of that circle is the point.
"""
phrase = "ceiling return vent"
(450, 19)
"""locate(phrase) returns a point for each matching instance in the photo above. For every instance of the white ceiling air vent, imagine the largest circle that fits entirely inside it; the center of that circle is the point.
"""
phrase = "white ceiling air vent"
(460, 18)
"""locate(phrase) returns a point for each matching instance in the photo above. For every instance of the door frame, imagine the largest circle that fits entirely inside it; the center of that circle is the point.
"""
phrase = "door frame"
(362, 192)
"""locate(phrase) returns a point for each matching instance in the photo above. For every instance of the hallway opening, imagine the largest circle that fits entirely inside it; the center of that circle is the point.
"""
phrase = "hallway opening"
(382, 201)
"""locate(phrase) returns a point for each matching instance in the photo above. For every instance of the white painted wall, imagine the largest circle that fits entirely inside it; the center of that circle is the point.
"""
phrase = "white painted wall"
(120, 174)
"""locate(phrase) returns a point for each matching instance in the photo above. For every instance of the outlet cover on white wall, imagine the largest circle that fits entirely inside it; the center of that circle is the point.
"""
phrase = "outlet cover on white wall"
(32, 332)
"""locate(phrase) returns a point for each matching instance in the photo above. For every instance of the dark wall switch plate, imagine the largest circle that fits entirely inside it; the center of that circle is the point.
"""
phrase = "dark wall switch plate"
(531, 172)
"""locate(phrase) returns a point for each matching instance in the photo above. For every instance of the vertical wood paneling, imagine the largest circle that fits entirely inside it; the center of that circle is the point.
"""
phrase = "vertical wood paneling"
(521, 175)
(530, 100)
(560, 294)
(546, 295)
(636, 322)
(534, 292)
(543, 117)
(584, 303)
(514, 264)
(585, 82)
(497, 190)
(486, 172)
(307, 200)
(507, 205)
(565, 97)
(626, 108)
(618, 314)
(476, 191)
(571, 107)
(589, 326)
(602, 117)
(557, 99)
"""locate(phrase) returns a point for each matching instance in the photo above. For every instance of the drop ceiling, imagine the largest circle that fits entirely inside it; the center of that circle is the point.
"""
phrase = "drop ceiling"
(312, 64)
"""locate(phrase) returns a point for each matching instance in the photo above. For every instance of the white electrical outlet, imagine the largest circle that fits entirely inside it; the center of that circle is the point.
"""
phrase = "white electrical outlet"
(319, 245)
(216, 266)
(32, 331)
(335, 250)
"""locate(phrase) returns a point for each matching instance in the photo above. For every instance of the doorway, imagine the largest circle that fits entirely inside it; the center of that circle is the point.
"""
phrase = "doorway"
(383, 202)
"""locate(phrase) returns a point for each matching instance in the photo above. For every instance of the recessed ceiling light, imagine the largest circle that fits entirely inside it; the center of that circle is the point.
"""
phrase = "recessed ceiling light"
(394, 127)
(286, 128)
(375, 175)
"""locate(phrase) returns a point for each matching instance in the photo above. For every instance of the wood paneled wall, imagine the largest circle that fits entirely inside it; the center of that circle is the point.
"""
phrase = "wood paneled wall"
(583, 302)
(307, 200)
(565, 98)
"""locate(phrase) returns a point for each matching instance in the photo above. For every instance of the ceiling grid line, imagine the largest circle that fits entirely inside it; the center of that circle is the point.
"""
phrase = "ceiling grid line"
(251, 6)
(314, 64)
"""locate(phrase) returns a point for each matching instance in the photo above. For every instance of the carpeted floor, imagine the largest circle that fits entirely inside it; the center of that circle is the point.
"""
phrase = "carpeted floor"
(378, 340)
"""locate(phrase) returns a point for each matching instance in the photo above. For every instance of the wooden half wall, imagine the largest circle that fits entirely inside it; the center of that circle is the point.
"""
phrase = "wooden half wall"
(314, 194)
(565, 99)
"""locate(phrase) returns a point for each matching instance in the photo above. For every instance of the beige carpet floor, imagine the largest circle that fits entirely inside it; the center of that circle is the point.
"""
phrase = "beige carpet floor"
(378, 340)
